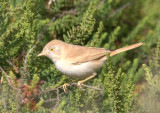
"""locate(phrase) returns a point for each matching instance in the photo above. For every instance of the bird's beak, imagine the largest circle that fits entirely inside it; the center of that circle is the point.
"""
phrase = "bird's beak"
(41, 54)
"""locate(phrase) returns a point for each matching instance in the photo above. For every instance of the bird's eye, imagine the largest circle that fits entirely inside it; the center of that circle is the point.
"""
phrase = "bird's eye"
(52, 49)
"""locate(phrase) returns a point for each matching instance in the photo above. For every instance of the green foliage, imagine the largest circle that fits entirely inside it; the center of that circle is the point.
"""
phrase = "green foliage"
(84, 30)
(21, 34)
(35, 81)
(27, 91)
(112, 37)
(120, 92)
(150, 98)
(27, 25)
(96, 37)
(8, 103)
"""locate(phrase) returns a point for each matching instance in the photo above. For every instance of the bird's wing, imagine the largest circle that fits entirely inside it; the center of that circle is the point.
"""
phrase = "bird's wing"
(80, 54)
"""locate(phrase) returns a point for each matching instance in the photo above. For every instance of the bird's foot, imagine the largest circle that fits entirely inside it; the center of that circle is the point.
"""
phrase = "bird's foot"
(79, 84)
(64, 86)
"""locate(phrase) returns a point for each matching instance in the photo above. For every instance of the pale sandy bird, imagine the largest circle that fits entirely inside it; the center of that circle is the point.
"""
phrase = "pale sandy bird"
(78, 62)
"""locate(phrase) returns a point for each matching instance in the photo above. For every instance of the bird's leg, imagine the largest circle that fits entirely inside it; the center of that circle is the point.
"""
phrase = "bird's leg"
(82, 81)
(64, 86)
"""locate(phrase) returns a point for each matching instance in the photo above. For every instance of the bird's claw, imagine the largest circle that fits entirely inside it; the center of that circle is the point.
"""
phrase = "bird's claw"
(79, 84)
(64, 86)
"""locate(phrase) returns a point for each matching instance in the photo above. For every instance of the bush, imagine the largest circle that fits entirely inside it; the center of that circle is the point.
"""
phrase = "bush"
(27, 25)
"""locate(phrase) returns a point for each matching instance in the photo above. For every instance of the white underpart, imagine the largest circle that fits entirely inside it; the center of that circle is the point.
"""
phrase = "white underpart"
(79, 71)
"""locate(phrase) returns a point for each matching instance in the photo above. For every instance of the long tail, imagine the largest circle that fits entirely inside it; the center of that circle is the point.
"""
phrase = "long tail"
(125, 49)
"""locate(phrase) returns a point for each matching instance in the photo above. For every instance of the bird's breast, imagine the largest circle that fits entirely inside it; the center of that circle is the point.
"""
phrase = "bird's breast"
(80, 71)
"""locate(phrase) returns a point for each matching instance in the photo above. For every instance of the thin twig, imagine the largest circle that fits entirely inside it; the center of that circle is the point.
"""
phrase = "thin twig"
(25, 62)
(7, 77)
(11, 64)
(50, 100)
(101, 3)
(69, 12)
(3, 101)
(119, 9)
(49, 90)
(50, 2)
(73, 84)
(2, 97)
(92, 87)
(58, 100)
(1, 81)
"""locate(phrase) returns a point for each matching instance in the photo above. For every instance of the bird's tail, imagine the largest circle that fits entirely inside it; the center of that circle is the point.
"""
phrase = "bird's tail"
(125, 49)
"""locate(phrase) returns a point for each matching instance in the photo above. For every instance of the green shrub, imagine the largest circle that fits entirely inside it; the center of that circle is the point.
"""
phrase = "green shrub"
(27, 25)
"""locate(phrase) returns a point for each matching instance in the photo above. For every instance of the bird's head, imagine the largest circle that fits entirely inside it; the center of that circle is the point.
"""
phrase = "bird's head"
(52, 50)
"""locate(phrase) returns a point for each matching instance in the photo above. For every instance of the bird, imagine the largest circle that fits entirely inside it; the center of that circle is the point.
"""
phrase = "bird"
(79, 62)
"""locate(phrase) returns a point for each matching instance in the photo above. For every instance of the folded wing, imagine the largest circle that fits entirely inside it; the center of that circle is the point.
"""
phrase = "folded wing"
(84, 54)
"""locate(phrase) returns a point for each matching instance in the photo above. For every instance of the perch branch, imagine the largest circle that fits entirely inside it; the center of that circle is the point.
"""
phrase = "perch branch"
(73, 84)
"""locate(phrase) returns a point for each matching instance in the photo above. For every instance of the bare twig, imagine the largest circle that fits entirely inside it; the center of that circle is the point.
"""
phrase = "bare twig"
(50, 2)
(50, 100)
(7, 77)
(119, 9)
(91, 87)
(73, 84)
(49, 90)
(100, 4)
(1, 81)
(3, 101)
(58, 100)
(2, 96)
(25, 62)
(11, 64)
(69, 12)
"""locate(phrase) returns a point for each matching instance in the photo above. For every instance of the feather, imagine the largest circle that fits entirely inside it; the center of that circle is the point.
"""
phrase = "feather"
(125, 49)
